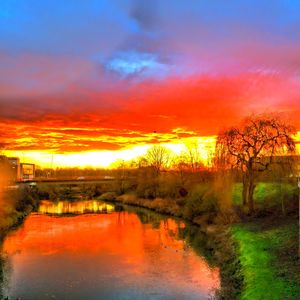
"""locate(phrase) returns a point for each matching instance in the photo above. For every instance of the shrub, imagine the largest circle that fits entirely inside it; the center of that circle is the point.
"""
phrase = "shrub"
(168, 187)
(109, 196)
(202, 199)
(147, 189)
(26, 197)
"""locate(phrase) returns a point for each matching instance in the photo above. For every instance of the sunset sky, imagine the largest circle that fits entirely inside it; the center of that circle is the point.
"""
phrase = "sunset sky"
(87, 82)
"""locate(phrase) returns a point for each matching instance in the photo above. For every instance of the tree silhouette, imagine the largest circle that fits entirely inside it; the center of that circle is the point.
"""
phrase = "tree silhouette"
(252, 146)
(158, 157)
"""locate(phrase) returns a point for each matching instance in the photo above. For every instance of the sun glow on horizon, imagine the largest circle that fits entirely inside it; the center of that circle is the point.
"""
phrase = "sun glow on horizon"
(106, 158)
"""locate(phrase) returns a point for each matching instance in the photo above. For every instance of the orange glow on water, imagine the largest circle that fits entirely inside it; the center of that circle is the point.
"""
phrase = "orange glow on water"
(117, 241)
(78, 207)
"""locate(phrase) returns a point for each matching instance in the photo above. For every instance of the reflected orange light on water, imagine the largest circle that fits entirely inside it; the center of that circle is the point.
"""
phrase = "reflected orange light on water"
(117, 242)
(78, 207)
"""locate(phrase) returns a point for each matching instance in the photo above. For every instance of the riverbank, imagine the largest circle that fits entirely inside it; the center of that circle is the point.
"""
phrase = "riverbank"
(259, 257)
(12, 220)
(16, 206)
(172, 207)
(268, 254)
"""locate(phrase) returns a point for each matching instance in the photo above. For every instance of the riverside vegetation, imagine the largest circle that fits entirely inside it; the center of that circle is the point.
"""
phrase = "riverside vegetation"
(251, 226)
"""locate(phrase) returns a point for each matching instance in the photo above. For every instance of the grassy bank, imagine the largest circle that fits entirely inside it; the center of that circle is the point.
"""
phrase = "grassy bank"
(269, 261)
(268, 195)
(11, 219)
(16, 205)
(199, 207)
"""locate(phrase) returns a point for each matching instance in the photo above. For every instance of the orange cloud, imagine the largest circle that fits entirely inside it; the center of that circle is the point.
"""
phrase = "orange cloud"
(136, 114)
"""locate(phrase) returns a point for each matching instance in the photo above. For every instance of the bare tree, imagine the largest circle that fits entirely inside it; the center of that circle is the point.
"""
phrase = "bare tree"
(142, 162)
(120, 175)
(181, 168)
(158, 157)
(192, 155)
(252, 146)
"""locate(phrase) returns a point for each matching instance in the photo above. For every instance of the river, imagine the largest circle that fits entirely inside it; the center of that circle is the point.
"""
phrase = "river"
(93, 250)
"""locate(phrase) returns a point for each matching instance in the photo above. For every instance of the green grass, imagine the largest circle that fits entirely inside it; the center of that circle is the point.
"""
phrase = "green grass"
(260, 262)
(265, 192)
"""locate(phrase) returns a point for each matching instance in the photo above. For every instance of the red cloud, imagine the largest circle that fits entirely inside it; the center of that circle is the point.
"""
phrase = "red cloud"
(142, 113)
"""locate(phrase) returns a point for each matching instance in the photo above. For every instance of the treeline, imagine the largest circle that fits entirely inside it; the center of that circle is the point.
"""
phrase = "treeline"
(253, 171)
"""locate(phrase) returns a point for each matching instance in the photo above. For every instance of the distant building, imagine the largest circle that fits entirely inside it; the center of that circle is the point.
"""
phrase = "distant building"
(16, 171)
(27, 171)
(14, 163)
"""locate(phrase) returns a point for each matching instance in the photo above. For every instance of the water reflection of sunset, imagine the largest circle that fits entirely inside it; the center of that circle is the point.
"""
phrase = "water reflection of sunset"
(82, 247)
(78, 207)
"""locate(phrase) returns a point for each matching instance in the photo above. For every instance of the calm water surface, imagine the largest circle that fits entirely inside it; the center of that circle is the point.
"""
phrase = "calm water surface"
(87, 250)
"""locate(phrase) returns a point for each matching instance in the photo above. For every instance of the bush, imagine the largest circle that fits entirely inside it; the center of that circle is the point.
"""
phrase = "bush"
(202, 199)
(168, 187)
(48, 192)
(147, 189)
(181, 201)
(164, 186)
(16, 205)
(109, 196)
(128, 199)
(27, 197)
